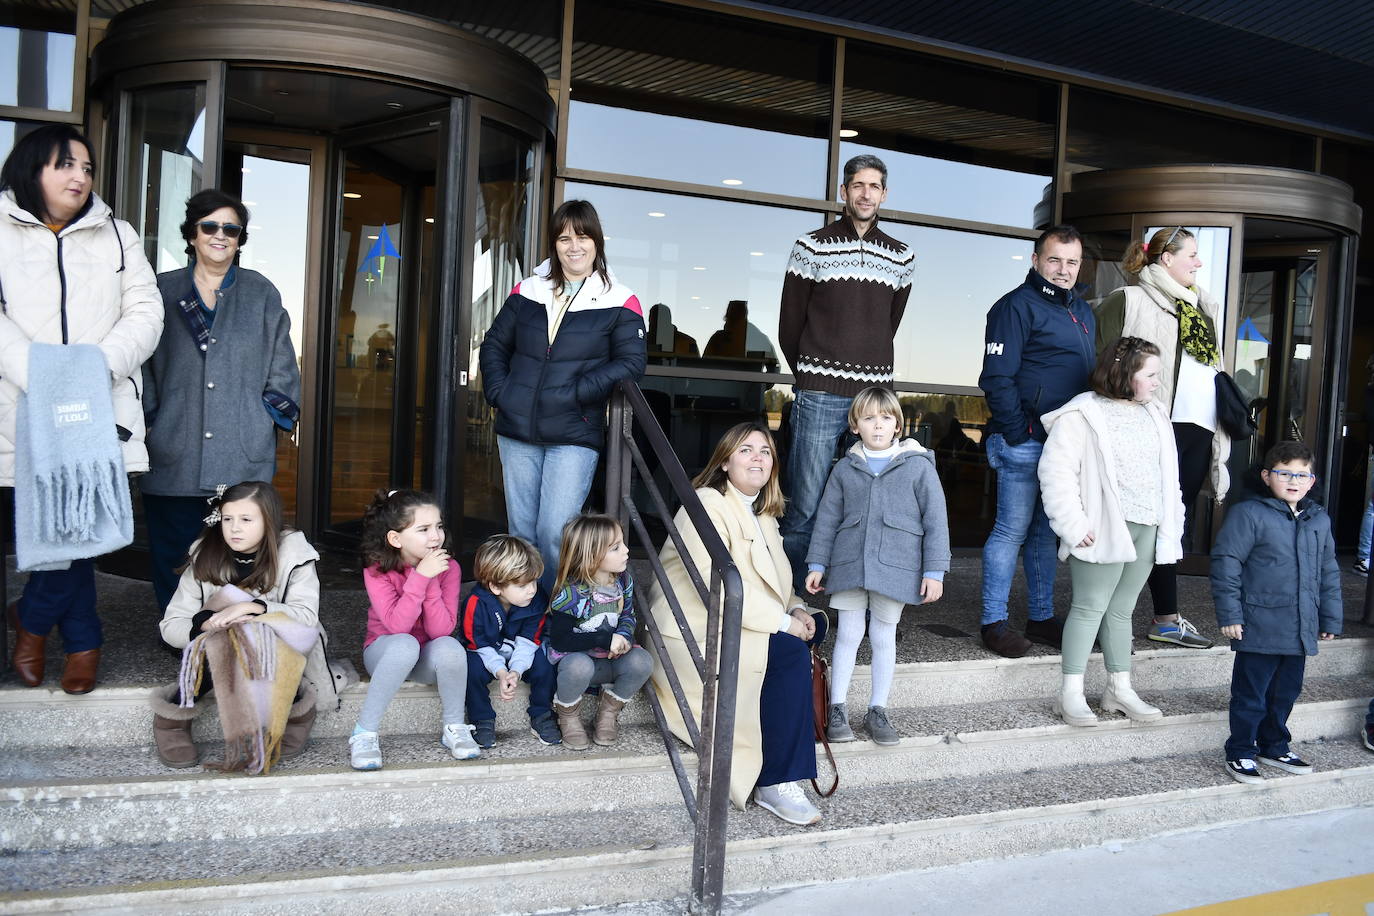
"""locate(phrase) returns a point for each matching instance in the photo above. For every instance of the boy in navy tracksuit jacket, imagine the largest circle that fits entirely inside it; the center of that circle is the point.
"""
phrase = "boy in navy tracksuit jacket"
(1277, 591)
(501, 625)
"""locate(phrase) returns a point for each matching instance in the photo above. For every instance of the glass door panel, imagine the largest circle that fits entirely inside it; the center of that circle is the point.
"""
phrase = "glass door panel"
(505, 174)
(163, 164)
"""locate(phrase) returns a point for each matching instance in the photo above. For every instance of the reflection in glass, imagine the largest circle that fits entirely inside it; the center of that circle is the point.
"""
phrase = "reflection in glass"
(40, 68)
(607, 139)
(669, 92)
(505, 167)
(958, 141)
(165, 149)
(959, 275)
(12, 131)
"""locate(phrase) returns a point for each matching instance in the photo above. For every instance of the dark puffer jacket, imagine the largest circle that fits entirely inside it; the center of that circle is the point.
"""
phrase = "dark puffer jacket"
(555, 394)
(1276, 574)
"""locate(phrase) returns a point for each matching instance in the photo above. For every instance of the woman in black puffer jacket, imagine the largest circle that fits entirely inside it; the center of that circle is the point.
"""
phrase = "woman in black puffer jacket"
(559, 345)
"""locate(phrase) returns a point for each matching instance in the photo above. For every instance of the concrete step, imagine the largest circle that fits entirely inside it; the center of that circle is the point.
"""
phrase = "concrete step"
(73, 800)
(119, 716)
(623, 848)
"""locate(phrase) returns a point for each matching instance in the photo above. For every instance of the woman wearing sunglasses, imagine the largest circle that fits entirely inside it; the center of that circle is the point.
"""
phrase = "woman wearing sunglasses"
(1168, 308)
(223, 380)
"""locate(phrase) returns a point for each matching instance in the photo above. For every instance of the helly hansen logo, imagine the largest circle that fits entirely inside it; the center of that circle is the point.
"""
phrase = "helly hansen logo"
(71, 412)
(1047, 291)
(995, 349)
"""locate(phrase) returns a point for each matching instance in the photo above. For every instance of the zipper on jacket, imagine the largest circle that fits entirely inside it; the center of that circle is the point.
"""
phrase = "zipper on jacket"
(62, 280)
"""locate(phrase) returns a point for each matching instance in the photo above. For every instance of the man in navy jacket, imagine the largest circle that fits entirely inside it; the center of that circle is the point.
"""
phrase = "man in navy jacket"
(1039, 353)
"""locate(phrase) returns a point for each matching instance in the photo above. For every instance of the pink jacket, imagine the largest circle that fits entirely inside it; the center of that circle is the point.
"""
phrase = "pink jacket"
(406, 602)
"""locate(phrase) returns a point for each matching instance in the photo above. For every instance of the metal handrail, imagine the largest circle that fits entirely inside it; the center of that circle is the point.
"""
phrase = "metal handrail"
(722, 592)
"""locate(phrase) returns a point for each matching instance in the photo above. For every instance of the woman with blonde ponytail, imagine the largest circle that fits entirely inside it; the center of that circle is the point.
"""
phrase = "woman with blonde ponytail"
(1169, 309)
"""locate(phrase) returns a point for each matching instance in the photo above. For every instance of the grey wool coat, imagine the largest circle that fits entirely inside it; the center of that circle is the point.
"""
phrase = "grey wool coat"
(881, 532)
(208, 423)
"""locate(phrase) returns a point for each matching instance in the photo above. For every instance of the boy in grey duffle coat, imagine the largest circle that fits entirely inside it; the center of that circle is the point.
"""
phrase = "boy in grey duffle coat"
(881, 541)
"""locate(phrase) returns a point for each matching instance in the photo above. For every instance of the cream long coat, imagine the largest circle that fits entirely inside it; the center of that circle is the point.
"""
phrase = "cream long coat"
(767, 579)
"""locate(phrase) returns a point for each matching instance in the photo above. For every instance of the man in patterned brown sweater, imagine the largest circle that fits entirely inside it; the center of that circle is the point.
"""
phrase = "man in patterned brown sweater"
(842, 300)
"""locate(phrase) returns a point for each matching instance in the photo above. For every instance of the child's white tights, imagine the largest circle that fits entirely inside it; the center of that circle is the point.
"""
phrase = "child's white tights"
(883, 614)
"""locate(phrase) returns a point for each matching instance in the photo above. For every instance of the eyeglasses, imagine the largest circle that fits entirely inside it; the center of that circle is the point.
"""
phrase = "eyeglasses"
(1295, 476)
(210, 227)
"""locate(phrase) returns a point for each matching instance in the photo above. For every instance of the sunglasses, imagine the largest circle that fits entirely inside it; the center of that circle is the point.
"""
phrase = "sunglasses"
(230, 230)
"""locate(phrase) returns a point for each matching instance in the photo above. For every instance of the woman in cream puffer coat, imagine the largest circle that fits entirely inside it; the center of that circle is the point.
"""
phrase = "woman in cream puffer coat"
(70, 273)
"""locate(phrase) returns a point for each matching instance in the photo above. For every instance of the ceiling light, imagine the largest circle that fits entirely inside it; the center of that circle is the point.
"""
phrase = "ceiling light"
(245, 170)
(656, 214)
(395, 106)
(250, 203)
(696, 297)
(373, 237)
(698, 268)
(1018, 257)
(848, 132)
(353, 195)
(429, 219)
(756, 254)
(282, 92)
(731, 181)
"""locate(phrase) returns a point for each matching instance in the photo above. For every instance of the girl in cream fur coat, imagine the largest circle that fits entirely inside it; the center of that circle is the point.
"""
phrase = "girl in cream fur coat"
(1109, 481)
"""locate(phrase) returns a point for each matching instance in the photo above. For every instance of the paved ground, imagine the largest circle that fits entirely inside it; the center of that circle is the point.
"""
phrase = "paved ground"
(1249, 865)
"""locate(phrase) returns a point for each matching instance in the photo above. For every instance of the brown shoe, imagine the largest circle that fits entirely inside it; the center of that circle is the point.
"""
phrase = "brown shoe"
(172, 729)
(296, 737)
(570, 724)
(1006, 642)
(605, 727)
(30, 653)
(79, 674)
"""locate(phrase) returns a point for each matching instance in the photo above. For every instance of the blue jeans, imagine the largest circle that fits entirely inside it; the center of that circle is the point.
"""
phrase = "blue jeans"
(1366, 531)
(1020, 520)
(545, 486)
(1263, 691)
(819, 419)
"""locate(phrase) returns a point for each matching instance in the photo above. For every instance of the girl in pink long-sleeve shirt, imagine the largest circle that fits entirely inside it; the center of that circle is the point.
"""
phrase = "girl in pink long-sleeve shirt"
(412, 585)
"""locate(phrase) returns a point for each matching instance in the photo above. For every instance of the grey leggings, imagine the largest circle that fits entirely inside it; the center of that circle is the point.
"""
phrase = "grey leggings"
(577, 671)
(393, 660)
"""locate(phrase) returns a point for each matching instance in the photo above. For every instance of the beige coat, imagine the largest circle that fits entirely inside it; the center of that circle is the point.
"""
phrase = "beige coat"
(1147, 312)
(767, 579)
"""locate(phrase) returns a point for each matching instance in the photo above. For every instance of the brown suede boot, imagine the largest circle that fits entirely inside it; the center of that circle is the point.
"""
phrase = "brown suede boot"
(30, 653)
(296, 736)
(79, 674)
(605, 729)
(570, 724)
(172, 729)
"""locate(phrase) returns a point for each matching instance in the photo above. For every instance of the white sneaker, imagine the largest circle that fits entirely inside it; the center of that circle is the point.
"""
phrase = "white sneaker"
(458, 739)
(788, 801)
(366, 751)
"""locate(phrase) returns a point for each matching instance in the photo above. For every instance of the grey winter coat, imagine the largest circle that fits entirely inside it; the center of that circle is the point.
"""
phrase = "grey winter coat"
(207, 421)
(882, 532)
(1276, 574)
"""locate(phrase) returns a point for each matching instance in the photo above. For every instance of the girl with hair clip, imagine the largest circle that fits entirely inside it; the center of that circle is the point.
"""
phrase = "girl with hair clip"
(246, 615)
(412, 585)
(1109, 482)
(591, 631)
(1167, 307)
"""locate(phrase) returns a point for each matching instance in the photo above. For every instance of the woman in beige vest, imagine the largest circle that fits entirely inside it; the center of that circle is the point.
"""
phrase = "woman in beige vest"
(1168, 308)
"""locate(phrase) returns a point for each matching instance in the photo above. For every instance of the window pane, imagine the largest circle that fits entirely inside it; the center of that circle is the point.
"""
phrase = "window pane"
(959, 275)
(40, 68)
(1114, 132)
(166, 164)
(958, 141)
(666, 92)
(11, 132)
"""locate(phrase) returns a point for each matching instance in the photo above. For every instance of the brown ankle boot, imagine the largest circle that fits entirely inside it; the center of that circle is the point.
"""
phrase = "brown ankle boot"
(605, 729)
(570, 724)
(79, 674)
(296, 735)
(30, 653)
(172, 729)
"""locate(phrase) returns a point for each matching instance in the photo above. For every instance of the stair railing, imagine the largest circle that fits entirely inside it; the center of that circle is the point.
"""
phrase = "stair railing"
(721, 590)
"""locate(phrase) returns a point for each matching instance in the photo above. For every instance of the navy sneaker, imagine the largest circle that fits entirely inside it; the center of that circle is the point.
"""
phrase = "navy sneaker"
(1367, 735)
(546, 729)
(1292, 763)
(1244, 771)
(484, 733)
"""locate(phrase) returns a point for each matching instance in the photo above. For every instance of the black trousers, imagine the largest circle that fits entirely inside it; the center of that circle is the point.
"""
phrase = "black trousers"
(1194, 445)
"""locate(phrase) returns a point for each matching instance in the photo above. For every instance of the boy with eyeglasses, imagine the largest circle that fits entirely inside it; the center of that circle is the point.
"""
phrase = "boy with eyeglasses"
(1277, 590)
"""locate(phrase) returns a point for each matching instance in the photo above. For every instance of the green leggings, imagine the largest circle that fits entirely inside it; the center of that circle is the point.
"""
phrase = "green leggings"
(1104, 597)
